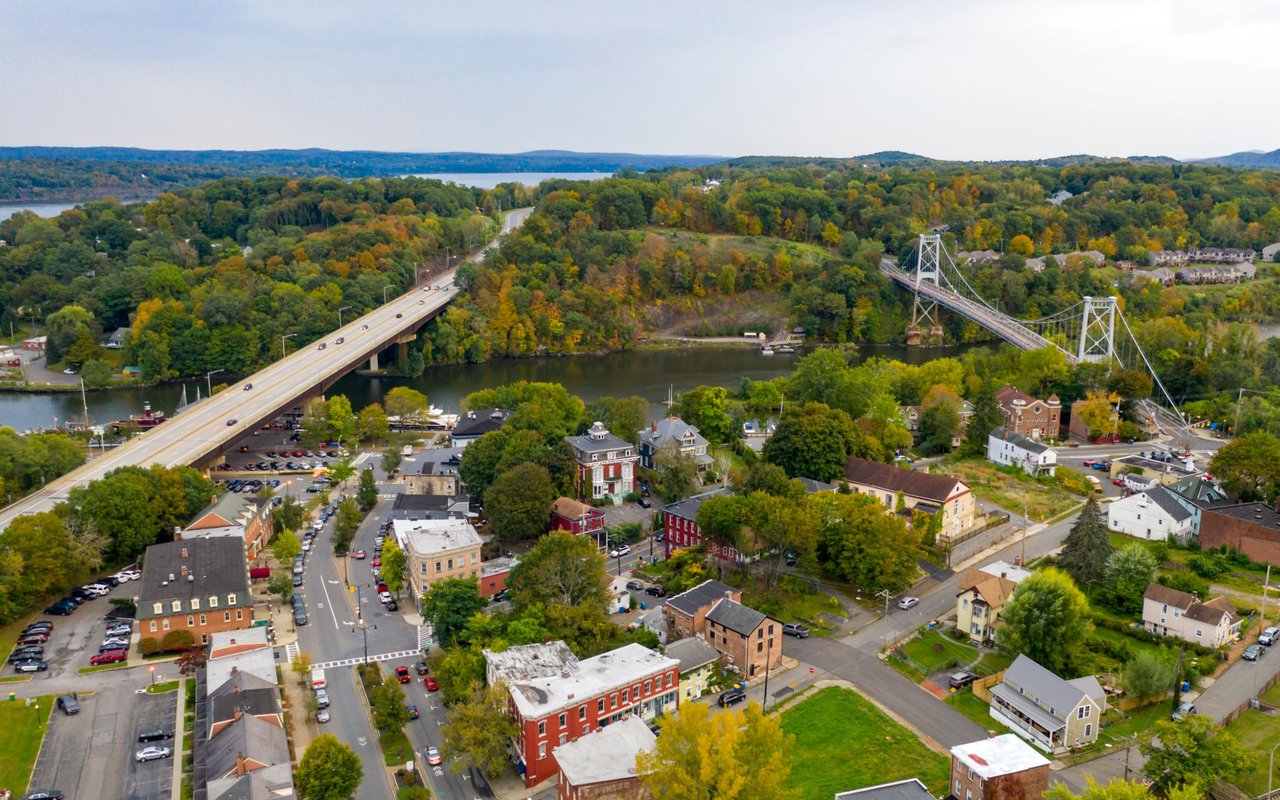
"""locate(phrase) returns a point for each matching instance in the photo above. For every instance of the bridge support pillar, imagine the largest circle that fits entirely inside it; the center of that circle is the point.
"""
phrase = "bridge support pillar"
(373, 363)
(925, 328)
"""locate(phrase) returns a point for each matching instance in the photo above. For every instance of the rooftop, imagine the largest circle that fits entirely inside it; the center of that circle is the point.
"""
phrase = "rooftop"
(671, 432)
(474, 424)
(245, 693)
(569, 508)
(692, 653)
(1001, 755)
(894, 479)
(196, 568)
(233, 641)
(688, 508)
(592, 677)
(994, 589)
(597, 439)
(1168, 502)
(1198, 490)
(256, 739)
(735, 616)
(432, 536)
(1257, 513)
(261, 663)
(910, 789)
(1048, 689)
(272, 783)
(527, 661)
(496, 566)
(700, 596)
(607, 754)
(1020, 441)
(228, 509)
(1006, 570)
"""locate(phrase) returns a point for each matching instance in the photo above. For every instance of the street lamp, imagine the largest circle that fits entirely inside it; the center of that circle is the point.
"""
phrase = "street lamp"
(282, 338)
(344, 308)
(364, 631)
(208, 380)
(1271, 765)
(384, 293)
(152, 669)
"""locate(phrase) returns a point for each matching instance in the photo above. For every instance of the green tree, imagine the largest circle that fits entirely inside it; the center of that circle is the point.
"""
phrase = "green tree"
(84, 348)
(344, 528)
(1148, 675)
(706, 408)
(460, 670)
(119, 505)
(814, 441)
(1249, 466)
(389, 712)
(390, 461)
(732, 755)
(1047, 620)
(372, 424)
(479, 467)
(285, 546)
(449, 604)
(367, 494)
(938, 424)
(1193, 751)
(280, 584)
(288, 515)
(763, 477)
(986, 418)
(519, 502)
(480, 729)
(1088, 545)
(342, 420)
(1129, 571)
(561, 569)
(862, 544)
(625, 416)
(394, 564)
(96, 373)
(1118, 789)
(329, 770)
(407, 404)
(677, 474)
(63, 327)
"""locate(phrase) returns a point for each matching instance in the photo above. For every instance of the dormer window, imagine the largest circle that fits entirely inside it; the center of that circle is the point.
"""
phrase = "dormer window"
(177, 605)
(195, 604)
(231, 599)
(213, 601)
(158, 608)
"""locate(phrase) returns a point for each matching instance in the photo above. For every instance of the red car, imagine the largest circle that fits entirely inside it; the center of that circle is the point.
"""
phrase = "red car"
(109, 657)
(1117, 482)
(382, 587)
(377, 562)
(402, 674)
(297, 454)
(431, 684)
(358, 555)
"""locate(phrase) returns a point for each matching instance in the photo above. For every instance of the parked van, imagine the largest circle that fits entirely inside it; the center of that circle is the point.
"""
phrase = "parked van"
(1269, 636)
(317, 679)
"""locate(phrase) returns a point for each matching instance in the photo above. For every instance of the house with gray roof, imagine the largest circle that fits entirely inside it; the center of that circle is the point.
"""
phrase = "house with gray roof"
(247, 745)
(909, 789)
(200, 585)
(750, 642)
(697, 666)
(1170, 612)
(603, 763)
(243, 694)
(686, 612)
(1012, 449)
(1050, 712)
(1197, 493)
(605, 465)
(1155, 515)
(474, 424)
(271, 783)
(673, 435)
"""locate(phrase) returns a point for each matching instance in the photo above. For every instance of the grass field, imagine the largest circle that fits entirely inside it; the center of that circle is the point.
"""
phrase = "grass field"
(967, 703)
(844, 742)
(21, 732)
(1042, 499)
(396, 749)
(1258, 732)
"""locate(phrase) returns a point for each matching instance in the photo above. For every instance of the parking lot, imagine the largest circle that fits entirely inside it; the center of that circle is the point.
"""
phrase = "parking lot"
(75, 638)
(91, 754)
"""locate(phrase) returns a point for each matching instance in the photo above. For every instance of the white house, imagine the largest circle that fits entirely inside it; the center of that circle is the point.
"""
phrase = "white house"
(1155, 515)
(1169, 612)
(1014, 449)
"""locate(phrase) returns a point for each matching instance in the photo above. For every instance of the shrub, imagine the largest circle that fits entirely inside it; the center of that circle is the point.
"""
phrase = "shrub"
(149, 646)
(1184, 581)
(1207, 566)
(412, 792)
(1161, 551)
(174, 641)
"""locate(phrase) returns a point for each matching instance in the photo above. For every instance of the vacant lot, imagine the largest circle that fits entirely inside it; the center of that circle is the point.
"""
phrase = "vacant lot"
(22, 728)
(843, 742)
(1258, 732)
(1043, 499)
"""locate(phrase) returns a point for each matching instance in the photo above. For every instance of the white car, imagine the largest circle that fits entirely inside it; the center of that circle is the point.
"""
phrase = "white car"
(619, 552)
(152, 753)
(322, 715)
(322, 698)
(95, 589)
(306, 545)
(905, 603)
(126, 575)
(385, 597)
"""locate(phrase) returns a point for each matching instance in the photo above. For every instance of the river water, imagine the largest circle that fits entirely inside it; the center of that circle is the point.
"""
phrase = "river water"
(647, 373)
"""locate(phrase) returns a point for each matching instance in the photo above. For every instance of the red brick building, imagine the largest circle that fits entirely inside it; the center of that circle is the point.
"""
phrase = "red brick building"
(606, 465)
(750, 641)
(1030, 416)
(687, 612)
(494, 574)
(233, 515)
(602, 765)
(1249, 528)
(555, 699)
(680, 528)
(201, 585)
(577, 518)
(1000, 768)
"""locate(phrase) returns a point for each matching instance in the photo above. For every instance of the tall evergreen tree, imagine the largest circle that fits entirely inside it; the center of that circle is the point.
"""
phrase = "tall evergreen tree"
(986, 418)
(1088, 546)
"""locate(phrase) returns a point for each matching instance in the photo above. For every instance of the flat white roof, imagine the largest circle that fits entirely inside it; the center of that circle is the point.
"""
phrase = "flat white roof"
(607, 754)
(261, 663)
(1003, 569)
(430, 536)
(592, 677)
(1001, 755)
(245, 636)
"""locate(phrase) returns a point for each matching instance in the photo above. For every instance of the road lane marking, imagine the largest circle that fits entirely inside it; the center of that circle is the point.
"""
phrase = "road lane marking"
(332, 613)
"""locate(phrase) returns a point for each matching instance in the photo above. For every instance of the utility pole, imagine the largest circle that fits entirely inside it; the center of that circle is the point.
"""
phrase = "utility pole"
(1022, 558)
(1266, 587)
(884, 620)
(768, 652)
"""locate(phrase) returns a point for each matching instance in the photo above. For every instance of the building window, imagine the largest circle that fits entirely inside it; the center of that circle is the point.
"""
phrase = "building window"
(158, 608)
(202, 619)
(646, 688)
(635, 690)
(191, 621)
(668, 680)
(226, 616)
(613, 700)
(164, 623)
(204, 638)
(1084, 712)
(759, 647)
(153, 626)
(600, 706)
(437, 567)
(1088, 729)
(231, 599)
(542, 727)
(564, 737)
(582, 713)
(177, 605)
(564, 719)
(213, 601)
(195, 604)
(542, 750)
(239, 613)
(449, 563)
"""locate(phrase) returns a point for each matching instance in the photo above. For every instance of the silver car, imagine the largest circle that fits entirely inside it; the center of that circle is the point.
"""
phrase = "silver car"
(153, 753)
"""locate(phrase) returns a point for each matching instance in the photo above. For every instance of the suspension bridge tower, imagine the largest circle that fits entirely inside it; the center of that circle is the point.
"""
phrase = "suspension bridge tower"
(1097, 330)
(924, 327)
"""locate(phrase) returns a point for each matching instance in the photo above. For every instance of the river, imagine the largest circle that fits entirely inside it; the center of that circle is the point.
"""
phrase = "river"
(647, 373)
(41, 209)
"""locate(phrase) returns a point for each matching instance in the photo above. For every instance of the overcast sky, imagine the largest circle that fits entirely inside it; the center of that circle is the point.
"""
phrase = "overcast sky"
(971, 79)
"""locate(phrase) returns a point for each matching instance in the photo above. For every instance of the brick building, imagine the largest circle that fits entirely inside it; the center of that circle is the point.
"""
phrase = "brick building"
(1030, 416)
(236, 516)
(686, 612)
(494, 574)
(680, 527)
(201, 585)
(750, 641)
(437, 478)
(1249, 528)
(575, 517)
(555, 699)
(602, 765)
(436, 549)
(606, 465)
(1000, 768)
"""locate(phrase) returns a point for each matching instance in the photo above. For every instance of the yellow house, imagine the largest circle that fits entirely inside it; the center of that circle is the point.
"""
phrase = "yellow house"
(697, 666)
(946, 497)
(978, 605)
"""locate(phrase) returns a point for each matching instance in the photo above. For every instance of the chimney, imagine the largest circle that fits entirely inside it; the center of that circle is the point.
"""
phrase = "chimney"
(213, 501)
(654, 426)
(184, 552)
(235, 671)
(184, 570)
(240, 768)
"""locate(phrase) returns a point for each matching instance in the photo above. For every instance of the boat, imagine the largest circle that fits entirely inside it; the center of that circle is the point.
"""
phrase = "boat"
(147, 419)
(786, 348)
(766, 351)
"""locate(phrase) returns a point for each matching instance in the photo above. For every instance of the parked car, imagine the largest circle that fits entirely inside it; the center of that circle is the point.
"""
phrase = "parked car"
(412, 710)
(795, 629)
(119, 629)
(322, 715)
(619, 552)
(961, 679)
(322, 698)
(402, 674)
(385, 597)
(299, 616)
(433, 756)
(109, 657)
(635, 586)
(155, 734)
(644, 502)
(1253, 652)
(33, 653)
(421, 668)
(1184, 710)
(44, 794)
(431, 684)
(1269, 636)
(908, 602)
(656, 591)
(68, 705)
(30, 665)
(731, 697)
(153, 753)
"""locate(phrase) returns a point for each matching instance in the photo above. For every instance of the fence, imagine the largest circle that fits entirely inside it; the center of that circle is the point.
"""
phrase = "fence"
(975, 542)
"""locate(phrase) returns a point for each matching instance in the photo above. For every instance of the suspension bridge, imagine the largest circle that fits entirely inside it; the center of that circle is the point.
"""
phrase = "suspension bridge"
(1092, 330)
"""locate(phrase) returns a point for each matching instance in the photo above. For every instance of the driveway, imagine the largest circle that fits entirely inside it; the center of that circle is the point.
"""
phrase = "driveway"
(91, 754)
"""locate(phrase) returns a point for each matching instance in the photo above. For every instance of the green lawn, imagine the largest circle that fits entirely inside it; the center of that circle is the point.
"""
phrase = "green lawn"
(162, 687)
(1043, 499)
(396, 749)
(844, 742)
(934, 651)
(22, 729)
(1258, 732)
(968, 703)
(103, 667)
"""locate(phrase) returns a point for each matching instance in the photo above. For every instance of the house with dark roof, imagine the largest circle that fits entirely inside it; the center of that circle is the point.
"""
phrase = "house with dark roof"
(237, 516)
(201, 585)
(943, 495)
(272, 783)
(750, 642)
(1169, 612)
(697, 666)
(1249, 528)
(979, 602)
(1012, 449)
(248, 744)
(686, 612)
(1154, 515)
(673, 435)
(429, 506)
(1030, 416)
(909, 789)
(243, 693)
(1050, 712)
(680, 528)
(606, 465)
(433, 477)
(575, 517)
(1196, 493)
(474, 424)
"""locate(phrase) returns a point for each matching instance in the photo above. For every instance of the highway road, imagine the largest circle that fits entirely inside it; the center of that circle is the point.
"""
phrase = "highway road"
(205, 429)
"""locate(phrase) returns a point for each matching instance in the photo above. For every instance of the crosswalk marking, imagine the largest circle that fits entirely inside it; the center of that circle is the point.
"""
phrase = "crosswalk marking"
(291, 651)
(351, 662)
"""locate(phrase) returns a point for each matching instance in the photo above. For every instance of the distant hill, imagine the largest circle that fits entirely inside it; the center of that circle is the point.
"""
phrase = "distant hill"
(1252, 159)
